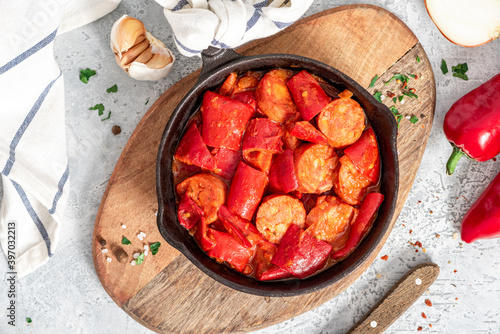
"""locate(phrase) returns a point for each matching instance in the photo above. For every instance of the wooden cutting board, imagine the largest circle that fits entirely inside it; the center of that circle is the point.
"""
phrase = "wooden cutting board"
(167, 293)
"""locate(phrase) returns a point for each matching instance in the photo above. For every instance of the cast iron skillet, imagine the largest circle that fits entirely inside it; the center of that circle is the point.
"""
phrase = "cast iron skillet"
(217, 65)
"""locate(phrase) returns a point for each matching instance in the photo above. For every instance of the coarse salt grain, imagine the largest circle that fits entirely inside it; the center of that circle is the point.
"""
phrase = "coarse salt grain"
(104, 250)
(132, 263)
(455, 235)
(108, 259)
(140, 237)
(123, 226)
(136, 255)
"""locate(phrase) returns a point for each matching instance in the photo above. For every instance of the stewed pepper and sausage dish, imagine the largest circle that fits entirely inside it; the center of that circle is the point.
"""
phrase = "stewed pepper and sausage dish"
(278, 175)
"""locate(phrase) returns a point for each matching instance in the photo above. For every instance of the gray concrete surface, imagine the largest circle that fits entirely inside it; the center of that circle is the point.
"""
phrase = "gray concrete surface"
(65, 296)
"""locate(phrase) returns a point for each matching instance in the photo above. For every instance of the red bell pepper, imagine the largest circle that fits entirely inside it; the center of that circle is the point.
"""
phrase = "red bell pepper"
(300, 253)
(227, 161)
(307, 94)
(193, 151)
(246, 191)
(228, 249)
(224, 120)
(262, 134)
(274, 273)
(188, 213)
(365, 156)
(201, 236)
(246, 97)
(482, 221)
(282, 173)
(306, 131)
(361, 225)
(259, 160)
(245, 227)
(472, 125)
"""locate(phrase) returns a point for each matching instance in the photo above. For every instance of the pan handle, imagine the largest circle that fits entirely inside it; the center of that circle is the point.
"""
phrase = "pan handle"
(213, 58)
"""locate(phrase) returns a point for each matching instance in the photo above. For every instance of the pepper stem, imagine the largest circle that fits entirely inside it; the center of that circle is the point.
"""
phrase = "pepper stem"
(453, 160)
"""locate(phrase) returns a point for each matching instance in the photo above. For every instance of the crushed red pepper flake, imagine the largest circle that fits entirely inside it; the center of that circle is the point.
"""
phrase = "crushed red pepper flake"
(424, 316)
(385, 257)
(419, 328)
(419, 202)
(430, 325)
(428, 302)
(411, 231)
(455, 271)
(390, 94)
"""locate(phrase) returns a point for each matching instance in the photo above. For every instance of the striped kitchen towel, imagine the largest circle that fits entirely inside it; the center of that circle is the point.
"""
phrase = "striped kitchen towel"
(198, 24)
(33, 157)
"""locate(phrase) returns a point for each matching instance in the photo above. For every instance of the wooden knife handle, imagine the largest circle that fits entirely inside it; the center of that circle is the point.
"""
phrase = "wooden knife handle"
(401, 296)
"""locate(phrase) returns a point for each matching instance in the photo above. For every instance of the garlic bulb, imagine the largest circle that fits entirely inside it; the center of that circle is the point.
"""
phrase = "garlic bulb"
(139, 53)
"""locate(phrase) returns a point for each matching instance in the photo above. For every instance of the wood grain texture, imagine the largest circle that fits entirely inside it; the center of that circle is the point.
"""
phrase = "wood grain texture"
(167, 293)
(397, 300)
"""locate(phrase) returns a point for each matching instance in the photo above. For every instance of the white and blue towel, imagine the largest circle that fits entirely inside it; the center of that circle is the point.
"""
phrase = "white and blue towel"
(33, 157)
(198, 24)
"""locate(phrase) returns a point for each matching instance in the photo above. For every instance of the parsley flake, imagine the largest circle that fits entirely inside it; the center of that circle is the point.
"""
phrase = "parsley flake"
(109, 115)
(394, 99)
(375, 78)
(378, 96)
(444, 67)
(98, 107)
(28, 320)
(140, 259)
(112, 89)
(414, 119)
(418, 59)
(125, 241)
(400, 98)
(397, 114)
(146, 102)
(403, 78)
(412, 75)
(86, 74)
(459, 71)
(410, 94)
(154, 247)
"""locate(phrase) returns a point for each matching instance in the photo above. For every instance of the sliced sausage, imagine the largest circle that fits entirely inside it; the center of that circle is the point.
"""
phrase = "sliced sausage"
(330, 221)
(351, 184)
(274, 98)
(342, 121)
(314, 166)
(207, 191)
(276, 214)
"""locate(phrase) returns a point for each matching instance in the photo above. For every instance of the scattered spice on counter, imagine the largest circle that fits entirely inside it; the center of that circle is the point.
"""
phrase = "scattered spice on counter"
(455, 235)
(154, 247)
(453, 285)
(116, 130)
(424, 250)
(112, 89)
(123, 226)
(431, 212)
(136, 255)
(424, 316)
(379, 275)
(444, 67)
(428, 302)
(99, 107)
(140, 259)
(430, 325)
(86, 74)
(418, 59)
(378, 96)
(438, 236)
(109, 116)
(419, 202)
(132, 263)
(125, 241)
(419, 328)
(146, 102)
(374, 80)
(455, 271)
(456, 298)
(28, 320)
(385, 257)
(414, 120)
(459, 71)
(104, 250)
(108, 259)
(102, 242)
(390, 94)
(411, 231)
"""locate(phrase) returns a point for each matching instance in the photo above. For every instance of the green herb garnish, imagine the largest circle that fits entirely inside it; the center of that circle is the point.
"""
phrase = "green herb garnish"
(154, 247)
(112, 89)
(146, 102)
(418, 59)
(410, 94)
(378, 96)
(403, 78)
(412, 75)
(400, 98)
(375, 78)
(397, 114)
(414, 119)
(86, 74)
(125, 241)
(28, 320)
(394, 99)
(98, 107)
(444, 67)
(459, 71)
(140, 259)
(109, 115)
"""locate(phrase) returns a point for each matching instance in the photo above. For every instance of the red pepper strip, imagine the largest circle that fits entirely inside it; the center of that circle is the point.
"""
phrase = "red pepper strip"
(228, 249)
(365, 156)
(472, 125)
(236, 233)
(282, 173)
(246, 191)
(224, 120)
(258, 159)
(308, 95)
(246, 97)
(227, 161)
(261, 261)
(482, 221)
(274, 273)
(246, 227)
(363, 221)
(189, 213)
(262, 134)
(206, 243)
(193, 151)
(300, 253)
(306, 131)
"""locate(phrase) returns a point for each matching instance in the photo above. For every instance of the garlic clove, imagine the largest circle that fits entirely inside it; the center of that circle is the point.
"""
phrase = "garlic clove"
(139, 53)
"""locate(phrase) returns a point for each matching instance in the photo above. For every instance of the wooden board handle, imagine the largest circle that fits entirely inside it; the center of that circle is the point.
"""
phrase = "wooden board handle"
(401, 296)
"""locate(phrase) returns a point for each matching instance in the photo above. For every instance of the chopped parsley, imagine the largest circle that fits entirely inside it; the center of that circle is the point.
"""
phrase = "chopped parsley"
(394, 99)
(28, 320)
(459, 71)
(378, 96)
(98, 107)
(86, 74)
(140, 259)
(397, 114)
(112, 89)
(412, 75)
(401, 77)
(414, 119)
(410, 94)
(146, 102)
(444, 67)
(109, 115)
(375, 78)
(400, 98)
(154, 247)
(418, 59)
(125, 241)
